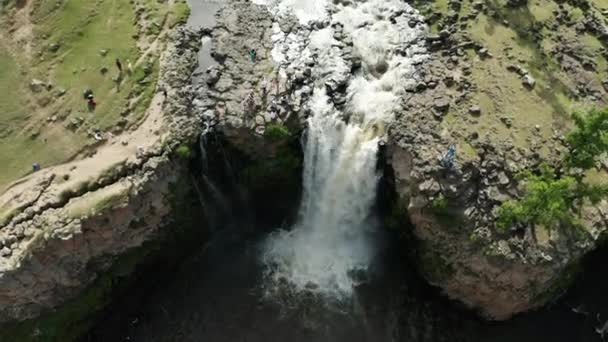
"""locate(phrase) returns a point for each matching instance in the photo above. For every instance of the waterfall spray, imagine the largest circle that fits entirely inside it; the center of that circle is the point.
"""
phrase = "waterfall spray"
(334, 236)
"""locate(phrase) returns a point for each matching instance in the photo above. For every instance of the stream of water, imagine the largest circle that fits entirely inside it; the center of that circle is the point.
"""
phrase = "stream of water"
(334, 238)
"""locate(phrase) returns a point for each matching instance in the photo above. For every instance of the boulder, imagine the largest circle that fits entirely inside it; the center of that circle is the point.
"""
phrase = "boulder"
(37, 85)
(528, 81)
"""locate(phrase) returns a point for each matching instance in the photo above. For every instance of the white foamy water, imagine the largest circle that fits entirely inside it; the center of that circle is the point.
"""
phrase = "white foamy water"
(334, 235)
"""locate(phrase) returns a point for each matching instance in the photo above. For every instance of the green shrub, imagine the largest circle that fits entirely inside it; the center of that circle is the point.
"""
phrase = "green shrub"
(548, 200)
(184, 152)
(439, 204)
(588, 140)
(276, 132)
(551, 200)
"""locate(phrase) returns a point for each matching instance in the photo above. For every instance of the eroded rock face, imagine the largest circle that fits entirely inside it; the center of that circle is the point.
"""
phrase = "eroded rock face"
(63, 226)
(498, 273)
(245, 92)
(61, 251)
(453, 210)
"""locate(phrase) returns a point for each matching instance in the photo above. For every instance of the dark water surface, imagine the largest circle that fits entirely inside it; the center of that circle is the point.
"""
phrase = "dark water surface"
(218, 295)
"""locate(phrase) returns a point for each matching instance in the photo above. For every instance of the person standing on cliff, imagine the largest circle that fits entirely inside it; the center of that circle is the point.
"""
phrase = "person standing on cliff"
(119, 65)
(252, 54)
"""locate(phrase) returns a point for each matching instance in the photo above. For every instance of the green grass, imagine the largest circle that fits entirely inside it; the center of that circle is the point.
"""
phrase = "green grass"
(12, 106)
(82, 28)
(18, 149)
(179, 13)
(500, 92)
(106, 25)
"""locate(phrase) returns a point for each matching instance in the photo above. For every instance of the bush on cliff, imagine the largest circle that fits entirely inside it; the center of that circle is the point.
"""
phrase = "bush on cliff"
(588, 140)
(552, 200)
(549, 200)
(184, 152)
(276, 132)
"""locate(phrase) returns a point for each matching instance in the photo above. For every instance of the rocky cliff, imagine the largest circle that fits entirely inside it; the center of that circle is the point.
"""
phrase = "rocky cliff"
(496, 80)
(502, 97)
(499, 84)
(65, 225)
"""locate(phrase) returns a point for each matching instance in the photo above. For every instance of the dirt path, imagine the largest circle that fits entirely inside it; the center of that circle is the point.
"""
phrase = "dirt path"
(23, 35)
(117, 150)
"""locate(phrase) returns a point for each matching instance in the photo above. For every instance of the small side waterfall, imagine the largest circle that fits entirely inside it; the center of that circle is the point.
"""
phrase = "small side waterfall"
(217, 183)
(334, 238)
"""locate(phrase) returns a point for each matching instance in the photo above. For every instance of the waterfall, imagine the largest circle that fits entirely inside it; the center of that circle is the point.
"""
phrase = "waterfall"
(334, 237)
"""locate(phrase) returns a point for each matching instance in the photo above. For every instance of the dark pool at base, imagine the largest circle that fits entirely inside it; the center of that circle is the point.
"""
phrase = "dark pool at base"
(217, 296)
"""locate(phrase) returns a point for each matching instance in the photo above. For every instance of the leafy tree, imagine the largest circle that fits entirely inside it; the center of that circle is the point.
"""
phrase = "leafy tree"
(548, 200)
(551, 200)
(588, 140)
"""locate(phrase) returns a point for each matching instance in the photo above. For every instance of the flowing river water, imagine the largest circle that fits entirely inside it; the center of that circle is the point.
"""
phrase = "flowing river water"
(335, 275)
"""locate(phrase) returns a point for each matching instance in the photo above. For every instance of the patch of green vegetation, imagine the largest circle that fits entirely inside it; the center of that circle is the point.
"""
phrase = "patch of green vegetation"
(184, 152)
(89, 37)
(467, 150)
(446, 216)
(553, 200)
(109, 201)
(279, 169)
(439, 204)
(180, 12)
(99, 201)
(276, 132)
(548, 201)
(589, 139)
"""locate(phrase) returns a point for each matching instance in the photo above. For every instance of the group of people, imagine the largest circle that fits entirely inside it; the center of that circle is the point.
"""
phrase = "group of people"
(88, 94)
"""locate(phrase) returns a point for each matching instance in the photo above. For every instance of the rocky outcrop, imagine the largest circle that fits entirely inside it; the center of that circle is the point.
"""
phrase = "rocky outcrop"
(453, 210)
(248, 96)
(63, 226)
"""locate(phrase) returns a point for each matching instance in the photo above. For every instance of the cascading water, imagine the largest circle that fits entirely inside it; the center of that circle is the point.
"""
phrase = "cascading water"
(334, 236)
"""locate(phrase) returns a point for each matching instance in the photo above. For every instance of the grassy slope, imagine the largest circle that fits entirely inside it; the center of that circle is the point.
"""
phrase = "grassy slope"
(82, 28)
(500, 93)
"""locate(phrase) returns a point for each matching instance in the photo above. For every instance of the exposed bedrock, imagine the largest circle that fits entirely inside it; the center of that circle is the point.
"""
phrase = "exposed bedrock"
(453, 211)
